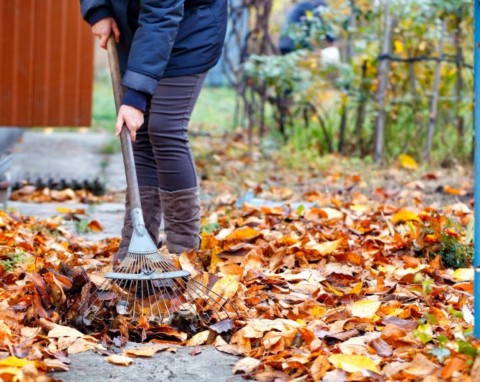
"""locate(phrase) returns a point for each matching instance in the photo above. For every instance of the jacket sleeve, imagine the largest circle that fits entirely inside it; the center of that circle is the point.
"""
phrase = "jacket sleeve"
(95, 10)
(152, 44)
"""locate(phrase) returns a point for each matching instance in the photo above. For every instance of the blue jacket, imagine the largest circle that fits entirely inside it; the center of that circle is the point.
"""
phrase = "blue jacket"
(162, 38)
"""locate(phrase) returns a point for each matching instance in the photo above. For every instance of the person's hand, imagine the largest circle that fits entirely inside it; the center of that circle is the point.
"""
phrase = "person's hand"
(132, 118)
(103, 29)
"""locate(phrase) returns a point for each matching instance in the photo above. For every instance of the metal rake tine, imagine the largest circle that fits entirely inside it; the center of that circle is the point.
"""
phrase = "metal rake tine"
(150, 299)
(179, 292)
(158, 307)
(87, 301)
(225, 301)
(205, 299)
(170, 267)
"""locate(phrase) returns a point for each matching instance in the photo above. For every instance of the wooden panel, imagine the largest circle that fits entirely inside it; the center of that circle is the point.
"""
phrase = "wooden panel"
(46, 64)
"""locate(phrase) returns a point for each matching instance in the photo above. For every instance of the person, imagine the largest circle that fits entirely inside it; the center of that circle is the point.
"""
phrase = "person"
(298, 18)
(165, 48)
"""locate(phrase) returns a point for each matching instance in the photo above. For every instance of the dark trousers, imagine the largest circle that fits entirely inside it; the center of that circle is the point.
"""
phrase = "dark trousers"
(162, 151)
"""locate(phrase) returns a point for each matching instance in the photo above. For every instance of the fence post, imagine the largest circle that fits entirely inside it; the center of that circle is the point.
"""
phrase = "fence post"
(476, 258)
(382, 87)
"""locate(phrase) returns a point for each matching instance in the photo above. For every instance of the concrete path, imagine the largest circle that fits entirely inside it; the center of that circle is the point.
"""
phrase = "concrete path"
(79, 155)
(207, 366)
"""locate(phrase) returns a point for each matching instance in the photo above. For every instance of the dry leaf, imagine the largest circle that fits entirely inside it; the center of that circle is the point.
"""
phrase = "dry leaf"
(246, 365)
(146, 351)
(407, 162)
(64, 331)
(404, 215)
(199, 338)
(352, 363)
(463, 274)
(121, 360)
(365, 308)
(95, 226)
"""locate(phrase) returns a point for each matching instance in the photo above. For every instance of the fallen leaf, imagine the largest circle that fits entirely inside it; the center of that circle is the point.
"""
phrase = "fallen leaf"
(365, 308)
(64, 331)
(463, 274)
(404, 215)
(195, 351)
(121, 360)
(146, 351)
(352, 363)
(246, 365)
(199, 338)
(95, 226)
(407, 162)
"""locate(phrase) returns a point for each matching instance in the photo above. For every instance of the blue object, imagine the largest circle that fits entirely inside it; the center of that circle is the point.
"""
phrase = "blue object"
(167, 38)
(476, 241)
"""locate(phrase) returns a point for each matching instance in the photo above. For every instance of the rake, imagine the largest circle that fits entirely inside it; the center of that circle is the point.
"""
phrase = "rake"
(147, 284)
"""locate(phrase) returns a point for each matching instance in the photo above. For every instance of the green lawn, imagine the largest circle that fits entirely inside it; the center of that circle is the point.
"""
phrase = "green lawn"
(214, 110)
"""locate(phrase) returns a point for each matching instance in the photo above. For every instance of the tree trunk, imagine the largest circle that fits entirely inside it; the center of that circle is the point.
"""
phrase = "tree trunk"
(382, 86)
(362, 103)
(435, 94)
(343, 123)
(459, 84)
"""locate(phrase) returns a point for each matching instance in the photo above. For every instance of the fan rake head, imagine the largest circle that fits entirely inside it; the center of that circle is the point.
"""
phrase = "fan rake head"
(149, 285)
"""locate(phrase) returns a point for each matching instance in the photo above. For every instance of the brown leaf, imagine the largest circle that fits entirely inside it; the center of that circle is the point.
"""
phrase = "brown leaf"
(95, 226)
(146, 351)
(382, 348)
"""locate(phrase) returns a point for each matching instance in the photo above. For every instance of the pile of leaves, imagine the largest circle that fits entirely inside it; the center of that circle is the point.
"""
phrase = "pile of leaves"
(41, 271)
(32, 194)
(345, 288)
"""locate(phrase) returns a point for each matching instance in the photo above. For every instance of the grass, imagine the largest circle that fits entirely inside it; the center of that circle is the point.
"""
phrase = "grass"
(214, 110)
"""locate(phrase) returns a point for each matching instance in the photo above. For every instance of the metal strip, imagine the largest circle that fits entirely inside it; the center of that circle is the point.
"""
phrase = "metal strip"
(147, 276)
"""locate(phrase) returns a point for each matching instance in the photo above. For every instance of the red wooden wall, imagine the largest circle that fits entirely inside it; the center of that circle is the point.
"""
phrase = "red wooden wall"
(46, 64)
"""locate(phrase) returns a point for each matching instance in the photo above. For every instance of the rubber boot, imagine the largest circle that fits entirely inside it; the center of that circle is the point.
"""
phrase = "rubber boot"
(181, 215)
(152, 214)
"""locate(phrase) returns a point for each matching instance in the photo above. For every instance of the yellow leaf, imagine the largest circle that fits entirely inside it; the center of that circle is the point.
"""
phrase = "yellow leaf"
(463, 274)
(215, 259)
(318, 311)
(398, 46)
(352, 363)
(226, 287)
(404, 215)
(63, 210)
(325, 248)
(357, 288)
(199, 338)
(406, 161)
(365, 308)
(121, 360)
(15, 362)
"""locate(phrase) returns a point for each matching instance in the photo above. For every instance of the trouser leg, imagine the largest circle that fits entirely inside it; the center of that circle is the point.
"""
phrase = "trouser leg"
(170, 112)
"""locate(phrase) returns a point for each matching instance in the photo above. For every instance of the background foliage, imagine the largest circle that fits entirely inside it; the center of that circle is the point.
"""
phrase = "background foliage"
(336, 108)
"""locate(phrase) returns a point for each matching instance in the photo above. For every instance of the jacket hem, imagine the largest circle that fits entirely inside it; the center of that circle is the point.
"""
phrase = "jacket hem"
(139, 82)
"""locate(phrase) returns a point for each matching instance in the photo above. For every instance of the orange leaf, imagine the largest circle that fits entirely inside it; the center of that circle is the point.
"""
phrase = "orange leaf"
(95, 226)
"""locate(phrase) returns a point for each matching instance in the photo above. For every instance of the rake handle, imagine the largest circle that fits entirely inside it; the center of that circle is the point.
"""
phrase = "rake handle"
(126, 142)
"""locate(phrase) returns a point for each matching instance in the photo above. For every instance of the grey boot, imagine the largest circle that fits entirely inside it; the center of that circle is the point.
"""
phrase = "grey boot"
(152, 214)
(181, 215)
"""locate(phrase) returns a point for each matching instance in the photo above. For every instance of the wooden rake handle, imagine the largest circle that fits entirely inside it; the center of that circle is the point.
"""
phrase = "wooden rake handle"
(126, 142)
